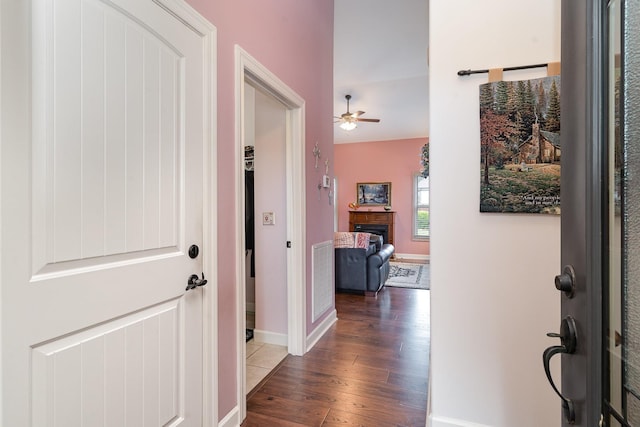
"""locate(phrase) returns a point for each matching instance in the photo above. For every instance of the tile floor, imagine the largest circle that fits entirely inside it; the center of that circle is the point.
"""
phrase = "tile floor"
(261, 357)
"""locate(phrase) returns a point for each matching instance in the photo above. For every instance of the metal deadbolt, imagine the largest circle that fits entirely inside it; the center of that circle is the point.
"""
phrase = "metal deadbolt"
(566, 282)
(194, 250)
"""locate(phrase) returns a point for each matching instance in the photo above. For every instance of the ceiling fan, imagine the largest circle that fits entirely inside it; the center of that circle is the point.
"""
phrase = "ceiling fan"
(348, 121)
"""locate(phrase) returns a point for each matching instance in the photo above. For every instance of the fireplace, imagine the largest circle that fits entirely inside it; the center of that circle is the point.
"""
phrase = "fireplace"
(381, 229)
(378, 222)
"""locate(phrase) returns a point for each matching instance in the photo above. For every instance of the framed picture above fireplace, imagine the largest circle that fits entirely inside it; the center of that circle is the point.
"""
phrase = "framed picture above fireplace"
(373, 193)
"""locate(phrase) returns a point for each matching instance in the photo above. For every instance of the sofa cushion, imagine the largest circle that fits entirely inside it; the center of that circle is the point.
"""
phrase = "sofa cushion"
(377, 240)
(346, 239)
(351, 269)
(343, 239)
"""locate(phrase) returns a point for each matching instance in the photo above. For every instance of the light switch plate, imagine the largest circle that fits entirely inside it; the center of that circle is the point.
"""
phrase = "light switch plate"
(268, 218)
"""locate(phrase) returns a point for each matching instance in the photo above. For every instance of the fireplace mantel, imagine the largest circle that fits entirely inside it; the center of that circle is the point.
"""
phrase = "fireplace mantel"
(362, 218)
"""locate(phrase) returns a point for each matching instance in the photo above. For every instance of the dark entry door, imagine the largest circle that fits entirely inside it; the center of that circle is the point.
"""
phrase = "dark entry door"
(599, 334)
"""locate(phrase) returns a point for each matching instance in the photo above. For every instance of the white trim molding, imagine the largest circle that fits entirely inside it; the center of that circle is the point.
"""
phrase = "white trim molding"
(249, 69)
(267, 337)
(231, 419)
(321, 329)
(410, 257)
(452, 422)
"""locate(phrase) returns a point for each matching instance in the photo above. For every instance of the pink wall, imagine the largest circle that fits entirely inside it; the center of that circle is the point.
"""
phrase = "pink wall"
(270, 196)
(382, 161)
(294, 40)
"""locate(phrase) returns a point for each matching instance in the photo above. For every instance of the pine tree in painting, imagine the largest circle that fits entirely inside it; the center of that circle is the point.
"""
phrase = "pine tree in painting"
(553, 113)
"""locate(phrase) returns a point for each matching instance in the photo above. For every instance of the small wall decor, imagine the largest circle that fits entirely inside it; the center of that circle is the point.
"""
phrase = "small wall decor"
(316, 153)
(520, 146)
(326, 181)
(373, 193)
(424, 160)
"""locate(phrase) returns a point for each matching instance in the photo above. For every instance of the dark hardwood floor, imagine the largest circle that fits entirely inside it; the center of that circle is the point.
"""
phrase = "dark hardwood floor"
(370, 368)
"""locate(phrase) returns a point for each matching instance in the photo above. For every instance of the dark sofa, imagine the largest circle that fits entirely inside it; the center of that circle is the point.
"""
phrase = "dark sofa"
(363, 270)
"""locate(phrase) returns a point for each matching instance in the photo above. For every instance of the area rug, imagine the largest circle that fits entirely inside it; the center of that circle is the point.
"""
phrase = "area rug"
(405, 275)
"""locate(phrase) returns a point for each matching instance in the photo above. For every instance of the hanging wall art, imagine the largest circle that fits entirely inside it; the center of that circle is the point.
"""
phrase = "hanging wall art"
(520, 147)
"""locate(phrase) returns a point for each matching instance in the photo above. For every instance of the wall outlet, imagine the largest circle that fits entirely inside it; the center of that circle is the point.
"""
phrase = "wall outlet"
(268, 218)
(326, 182)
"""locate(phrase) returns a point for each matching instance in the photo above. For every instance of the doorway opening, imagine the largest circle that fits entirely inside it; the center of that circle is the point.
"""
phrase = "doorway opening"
(274, 248)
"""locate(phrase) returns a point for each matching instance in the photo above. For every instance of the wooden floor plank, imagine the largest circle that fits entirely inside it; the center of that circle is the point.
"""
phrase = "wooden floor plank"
(370, 369)
(291, 382)
(346, 419)
(308, 413)
(259, 420)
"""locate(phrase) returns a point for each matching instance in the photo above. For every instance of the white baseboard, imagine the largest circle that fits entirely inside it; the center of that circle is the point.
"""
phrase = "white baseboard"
(231, 420)
(451, 422)
(429, 394)
(409, 257)
(322, 328)
(267, 337)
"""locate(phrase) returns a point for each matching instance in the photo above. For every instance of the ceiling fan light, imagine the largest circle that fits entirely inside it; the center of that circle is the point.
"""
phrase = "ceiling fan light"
(348, 126)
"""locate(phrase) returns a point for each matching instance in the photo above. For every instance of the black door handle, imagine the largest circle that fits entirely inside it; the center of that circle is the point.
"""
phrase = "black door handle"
(194, 281)
(568, 343)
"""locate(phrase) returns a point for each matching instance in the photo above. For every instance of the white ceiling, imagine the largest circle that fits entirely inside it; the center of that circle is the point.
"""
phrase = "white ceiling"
(380, 59)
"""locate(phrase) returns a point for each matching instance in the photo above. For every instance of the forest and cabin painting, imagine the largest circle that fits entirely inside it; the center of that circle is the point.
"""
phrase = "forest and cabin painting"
(520, 147)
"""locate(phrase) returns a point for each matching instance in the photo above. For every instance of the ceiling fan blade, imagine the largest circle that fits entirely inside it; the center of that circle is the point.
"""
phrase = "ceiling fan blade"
(350, 117)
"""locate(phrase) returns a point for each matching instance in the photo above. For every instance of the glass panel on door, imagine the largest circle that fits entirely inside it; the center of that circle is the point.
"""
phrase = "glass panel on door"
(613, 339)
(622, 277)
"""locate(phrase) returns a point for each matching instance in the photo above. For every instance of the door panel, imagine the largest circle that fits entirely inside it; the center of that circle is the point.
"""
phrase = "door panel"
(581, 222)
(71, 389)
(106, 159)
(95, 264)
(600, 45)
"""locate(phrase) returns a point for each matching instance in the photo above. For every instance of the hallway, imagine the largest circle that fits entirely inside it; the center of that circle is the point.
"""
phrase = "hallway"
(369, 369)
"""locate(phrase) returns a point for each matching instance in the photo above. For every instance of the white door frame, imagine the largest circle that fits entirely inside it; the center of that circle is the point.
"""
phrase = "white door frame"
(248, 69)
(207, 31)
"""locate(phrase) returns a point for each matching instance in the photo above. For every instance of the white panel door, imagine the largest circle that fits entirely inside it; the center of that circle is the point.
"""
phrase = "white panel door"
(102, 196)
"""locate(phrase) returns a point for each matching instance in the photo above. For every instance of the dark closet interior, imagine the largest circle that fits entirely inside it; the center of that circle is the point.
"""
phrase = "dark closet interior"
(249, 226)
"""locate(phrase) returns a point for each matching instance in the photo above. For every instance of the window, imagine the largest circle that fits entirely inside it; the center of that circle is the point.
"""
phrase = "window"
(421, 207)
